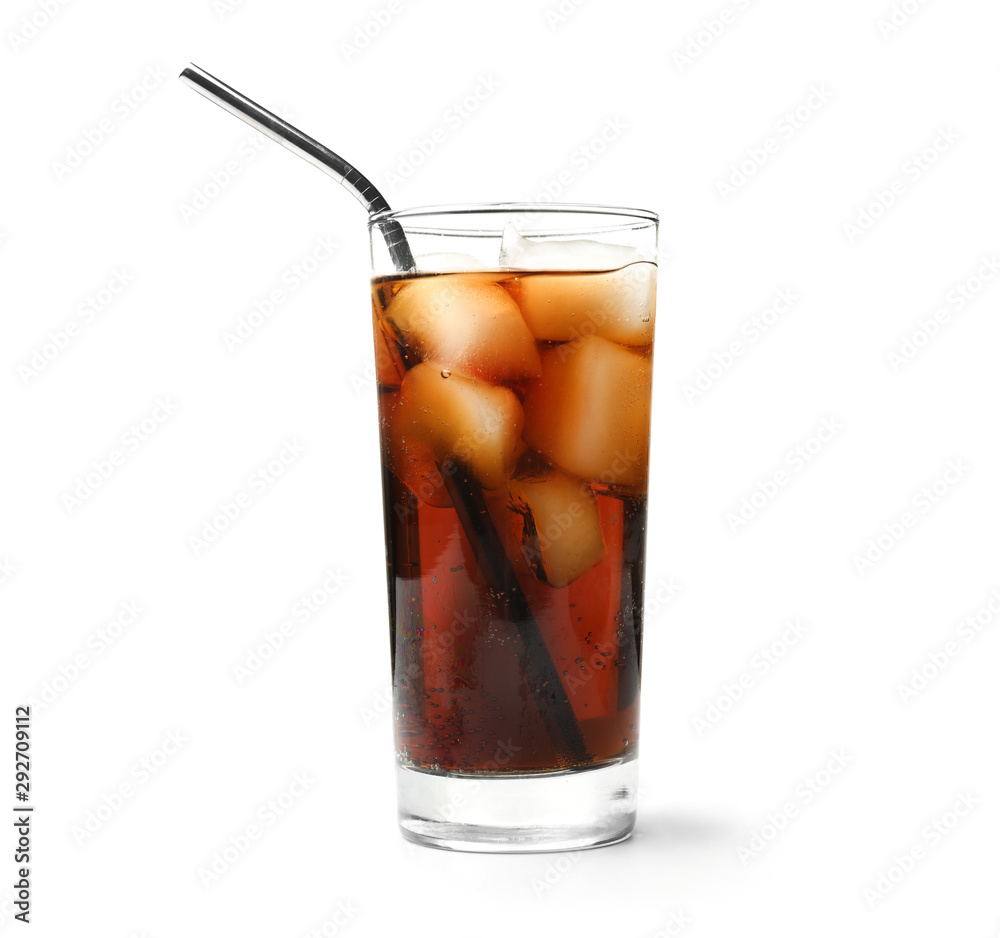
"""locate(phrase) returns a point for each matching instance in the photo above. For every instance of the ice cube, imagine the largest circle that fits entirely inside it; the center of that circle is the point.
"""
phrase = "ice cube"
(459, 418)
(619, 305)
(445, 261)
(562, 526)
(549, 254)
(389, 366)
(466, 323)
(410, 456)
(589, 411)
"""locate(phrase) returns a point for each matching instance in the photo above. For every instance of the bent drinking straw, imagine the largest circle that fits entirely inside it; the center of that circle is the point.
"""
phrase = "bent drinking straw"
(312, 151)
(539, 670)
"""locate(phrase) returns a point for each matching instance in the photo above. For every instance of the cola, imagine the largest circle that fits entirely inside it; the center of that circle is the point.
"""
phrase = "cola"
(514, 410)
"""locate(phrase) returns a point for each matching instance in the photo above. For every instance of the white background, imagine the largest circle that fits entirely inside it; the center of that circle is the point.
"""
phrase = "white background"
(75, 214)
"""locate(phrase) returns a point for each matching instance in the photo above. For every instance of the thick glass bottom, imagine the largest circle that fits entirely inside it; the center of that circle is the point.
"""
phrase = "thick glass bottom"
(570, 810)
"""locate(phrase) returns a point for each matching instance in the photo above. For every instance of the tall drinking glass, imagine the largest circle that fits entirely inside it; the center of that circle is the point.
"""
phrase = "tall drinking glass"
(514, 377)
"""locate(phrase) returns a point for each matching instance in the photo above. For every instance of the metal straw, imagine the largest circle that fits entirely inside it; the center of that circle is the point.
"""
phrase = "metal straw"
(541, 674)
(312, 151)
(537, 667)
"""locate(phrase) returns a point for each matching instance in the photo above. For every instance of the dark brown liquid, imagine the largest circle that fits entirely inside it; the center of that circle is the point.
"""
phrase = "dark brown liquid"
(462, 702)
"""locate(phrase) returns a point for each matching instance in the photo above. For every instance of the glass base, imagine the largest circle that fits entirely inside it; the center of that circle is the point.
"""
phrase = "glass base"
(570, 810)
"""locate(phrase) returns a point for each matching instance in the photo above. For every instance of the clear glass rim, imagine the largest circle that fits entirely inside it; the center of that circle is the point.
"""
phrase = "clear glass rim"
(643, 216)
